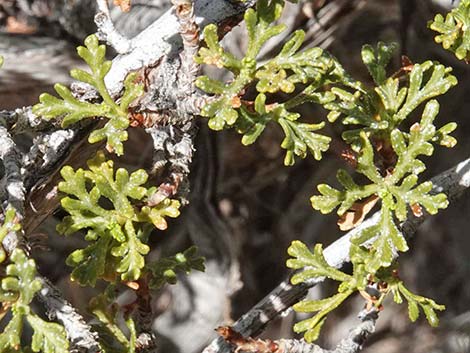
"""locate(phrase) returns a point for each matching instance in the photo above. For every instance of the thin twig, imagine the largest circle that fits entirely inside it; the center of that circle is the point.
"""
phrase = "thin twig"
(12, 192)
(79, 333)
(23, 120)
(189, 31)
(106, 30)
(351, 344)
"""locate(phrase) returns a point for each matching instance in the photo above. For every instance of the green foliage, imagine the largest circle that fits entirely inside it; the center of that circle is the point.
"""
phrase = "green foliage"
(17, 290)
(428, 306)
(10, 224)
(111, 207)
(378, 111)
(165, 270)
(454, 30)
(376, 60)
(387, 157)
(309, 70)
(115, 208)
(398, 189)
(312, 266)
(74, 110)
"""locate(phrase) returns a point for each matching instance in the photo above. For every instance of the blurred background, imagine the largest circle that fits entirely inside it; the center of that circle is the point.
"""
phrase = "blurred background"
(246, 207)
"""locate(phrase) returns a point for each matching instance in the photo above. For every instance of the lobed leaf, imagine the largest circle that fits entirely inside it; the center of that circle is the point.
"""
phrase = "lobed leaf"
(10, 224)
(313, 264)
(377, 60)
(18, 288)
(48, 337)
(300, 139)
(312, 326)
(312, 68)
(454, 30)
(74, 110)
(415, 301)
(118, 232)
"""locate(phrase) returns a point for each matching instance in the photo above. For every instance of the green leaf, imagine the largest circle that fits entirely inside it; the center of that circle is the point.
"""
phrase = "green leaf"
(415, 301)
(330, 197)
(251, 125)
(164, 270)
(442, 136)
(74, 110)
(222, 111)
(313, 264)
(89, 264)
(131, 251)
(10, 338)
(21, 278)
(300, 139)
(419, 143)
(258, 24)
(118, 230)
(312, 68)
(312, 326)
(48, 337)
(454, 30)
(214, 53)
(398, 190)
(420, 89)
(288, 68)
(385, 240)
(157, 214)
(18, 288)
(377, 60)
(114, 133)
(380, 110)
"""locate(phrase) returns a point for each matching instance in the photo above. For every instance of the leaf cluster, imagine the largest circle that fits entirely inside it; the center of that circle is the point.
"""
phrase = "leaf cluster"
(388, 157)
(390, 160)
(17, 290)
(74, 110)
(112, 208)
(454, 30)
(301, 74)
(311, 266)
(380, 109)
(415, 302)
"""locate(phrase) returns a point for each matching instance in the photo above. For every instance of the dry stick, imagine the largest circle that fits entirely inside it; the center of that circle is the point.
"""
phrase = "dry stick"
(189, 31)
(161, 37)
(82, 338)
(351, 344)
(452, 182)
(12, 185)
